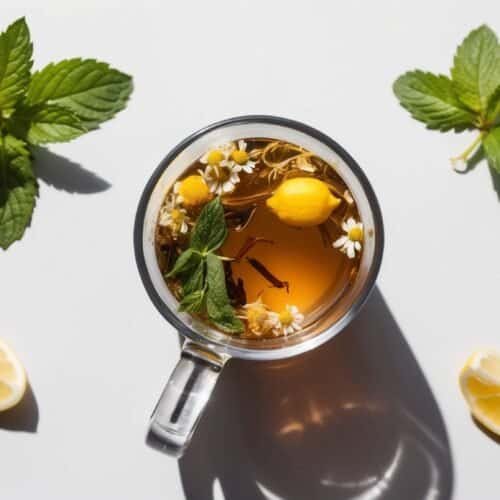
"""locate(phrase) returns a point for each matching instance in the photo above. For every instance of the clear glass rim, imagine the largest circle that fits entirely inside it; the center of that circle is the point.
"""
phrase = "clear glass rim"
(239, 351)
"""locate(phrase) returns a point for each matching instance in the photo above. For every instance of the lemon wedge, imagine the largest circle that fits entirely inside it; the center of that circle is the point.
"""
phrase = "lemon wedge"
(12, 378)
(480, 384)
(303, 202)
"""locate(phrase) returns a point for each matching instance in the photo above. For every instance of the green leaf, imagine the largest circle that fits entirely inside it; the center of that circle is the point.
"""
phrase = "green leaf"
(195, 280)
(431, 99)
(193, 302)
(491, 145)
(18, 190)
(476, 68)
(493, 112)
(219, 309)
(15, 63)
(210, 230)
(185, 262)
(91, 89)
(45, 123)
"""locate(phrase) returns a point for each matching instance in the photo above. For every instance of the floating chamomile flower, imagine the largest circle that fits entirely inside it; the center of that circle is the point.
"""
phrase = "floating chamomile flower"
(221, 178)
(351, 241)
(241, 157)
(173, 217)
(218, 154)
(287, 321)
(259, 319)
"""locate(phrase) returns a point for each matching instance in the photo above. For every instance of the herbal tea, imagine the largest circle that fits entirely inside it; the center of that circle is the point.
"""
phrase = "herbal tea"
(258, 237)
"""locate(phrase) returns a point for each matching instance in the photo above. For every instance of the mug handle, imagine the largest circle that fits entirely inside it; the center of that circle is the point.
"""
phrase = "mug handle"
(184, 398)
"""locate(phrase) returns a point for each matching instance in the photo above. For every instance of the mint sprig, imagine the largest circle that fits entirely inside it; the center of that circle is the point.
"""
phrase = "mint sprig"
(56, 104)
(201, 271)
(470, 99)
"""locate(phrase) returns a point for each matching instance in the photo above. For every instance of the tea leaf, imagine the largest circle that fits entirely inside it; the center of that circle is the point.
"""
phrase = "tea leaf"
(15, 63)
(17, 191)
(476, 68)
(210, 230)
(185, 262)
(431, 99)
(92, 90)
(491, 145)
(218, 307)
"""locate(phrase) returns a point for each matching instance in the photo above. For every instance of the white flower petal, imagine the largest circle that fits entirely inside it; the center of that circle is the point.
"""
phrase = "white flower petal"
(350, 250)
(357, 246)
(340, 242)
(242, 145)
(228, 186)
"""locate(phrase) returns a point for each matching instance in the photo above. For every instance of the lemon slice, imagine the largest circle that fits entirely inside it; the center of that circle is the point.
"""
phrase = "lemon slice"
(12, 378)
(480, 384)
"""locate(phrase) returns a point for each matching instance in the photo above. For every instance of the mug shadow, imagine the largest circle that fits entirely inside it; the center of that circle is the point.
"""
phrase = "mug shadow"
(354, 419)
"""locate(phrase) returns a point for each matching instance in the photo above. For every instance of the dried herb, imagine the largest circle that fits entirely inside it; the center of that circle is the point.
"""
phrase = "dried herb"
(268, 275)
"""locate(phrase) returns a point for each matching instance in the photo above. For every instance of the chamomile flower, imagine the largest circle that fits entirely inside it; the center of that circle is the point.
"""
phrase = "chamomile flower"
(221, 178)
(287, 321)
(260, 320)
(350, 243)
(174, 217)
(217, 154)
(241, 157)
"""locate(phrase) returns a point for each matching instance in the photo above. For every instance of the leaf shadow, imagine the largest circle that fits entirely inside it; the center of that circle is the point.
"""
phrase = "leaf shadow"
(24, 416)
(59, 172)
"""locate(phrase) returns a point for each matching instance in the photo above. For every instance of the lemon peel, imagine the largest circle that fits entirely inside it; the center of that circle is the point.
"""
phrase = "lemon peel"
(12, 378)
(303, 202)
(480, 385)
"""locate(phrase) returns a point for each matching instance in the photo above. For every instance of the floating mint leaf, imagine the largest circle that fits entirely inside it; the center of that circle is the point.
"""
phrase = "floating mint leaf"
(210, 230)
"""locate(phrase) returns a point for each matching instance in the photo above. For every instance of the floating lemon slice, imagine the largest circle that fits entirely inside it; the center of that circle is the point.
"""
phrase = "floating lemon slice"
(303, 202)
(12, 378)
(480, 384)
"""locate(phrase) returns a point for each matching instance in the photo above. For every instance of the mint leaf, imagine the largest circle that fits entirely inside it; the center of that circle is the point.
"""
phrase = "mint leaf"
(185, 262)
(195, 280)
(18, 190)
(476, 68)
(210, 230)
(92, 90)
(45, 123)
(193, 302)
(15, 63)
(431, 99)
(491, 145)
(493, 111)
(219, 309)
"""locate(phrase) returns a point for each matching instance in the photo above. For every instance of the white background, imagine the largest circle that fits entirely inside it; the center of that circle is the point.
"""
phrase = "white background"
(96, 351)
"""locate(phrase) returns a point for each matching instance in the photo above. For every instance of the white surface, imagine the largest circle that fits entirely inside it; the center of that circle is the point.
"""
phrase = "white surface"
(96, 351)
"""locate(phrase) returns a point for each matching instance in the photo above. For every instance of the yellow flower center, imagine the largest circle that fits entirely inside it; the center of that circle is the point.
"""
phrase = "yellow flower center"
(194, 191)
(177, 215)
(215, 157)
(239, 156)
(355, 234)
(286, 317)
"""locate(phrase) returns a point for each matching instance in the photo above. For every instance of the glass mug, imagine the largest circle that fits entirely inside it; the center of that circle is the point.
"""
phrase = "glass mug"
(206, 350)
